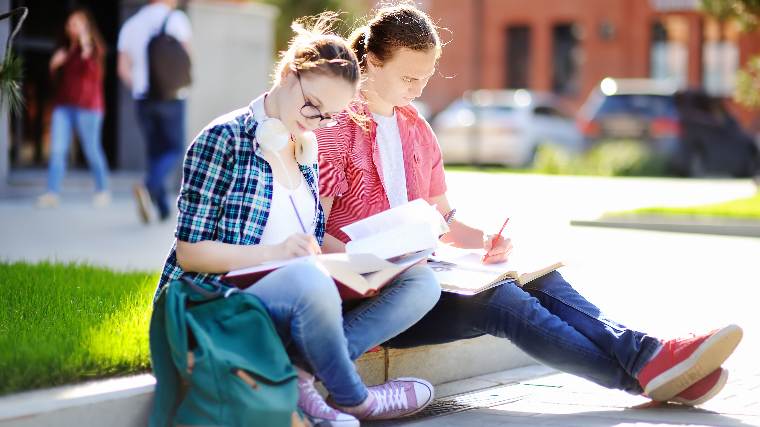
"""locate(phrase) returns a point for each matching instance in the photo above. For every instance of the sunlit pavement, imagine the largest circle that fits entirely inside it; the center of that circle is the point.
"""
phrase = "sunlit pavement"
(663, 283)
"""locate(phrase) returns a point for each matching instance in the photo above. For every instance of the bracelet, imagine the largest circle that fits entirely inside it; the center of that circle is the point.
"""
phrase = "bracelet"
(449, 217)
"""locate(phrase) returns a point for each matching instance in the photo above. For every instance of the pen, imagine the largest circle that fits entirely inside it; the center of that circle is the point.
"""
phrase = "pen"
(496, 237)
(300, 222)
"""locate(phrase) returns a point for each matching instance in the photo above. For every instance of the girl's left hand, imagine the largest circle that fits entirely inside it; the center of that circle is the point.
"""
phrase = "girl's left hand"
(497, 251)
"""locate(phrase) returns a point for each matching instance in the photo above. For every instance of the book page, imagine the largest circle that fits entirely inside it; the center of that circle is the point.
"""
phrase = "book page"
(361, 263)
(268, 266)
(464, 280)
(415, 212)
(400, 240)
(462, 270)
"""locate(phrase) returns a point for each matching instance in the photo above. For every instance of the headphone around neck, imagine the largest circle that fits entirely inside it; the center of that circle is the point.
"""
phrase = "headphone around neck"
(272, 135)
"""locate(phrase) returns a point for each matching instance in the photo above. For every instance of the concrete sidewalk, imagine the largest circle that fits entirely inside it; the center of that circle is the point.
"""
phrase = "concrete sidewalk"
(562, 400)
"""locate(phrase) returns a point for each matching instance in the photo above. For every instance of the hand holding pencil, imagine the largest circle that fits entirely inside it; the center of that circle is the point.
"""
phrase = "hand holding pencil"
(497, 247)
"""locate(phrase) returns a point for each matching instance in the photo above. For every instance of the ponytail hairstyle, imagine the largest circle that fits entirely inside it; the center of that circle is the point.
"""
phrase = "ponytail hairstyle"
(316, 49)
(394, 26)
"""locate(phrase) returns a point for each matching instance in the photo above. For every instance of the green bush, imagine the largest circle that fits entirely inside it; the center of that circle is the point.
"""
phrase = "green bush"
(614, 158)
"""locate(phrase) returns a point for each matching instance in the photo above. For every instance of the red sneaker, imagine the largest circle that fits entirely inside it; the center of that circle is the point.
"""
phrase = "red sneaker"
(704, 389)
(684, 361)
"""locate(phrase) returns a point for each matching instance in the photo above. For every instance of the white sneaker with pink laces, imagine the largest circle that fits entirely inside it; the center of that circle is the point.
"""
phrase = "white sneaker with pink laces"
(395, 399)
(314, 406)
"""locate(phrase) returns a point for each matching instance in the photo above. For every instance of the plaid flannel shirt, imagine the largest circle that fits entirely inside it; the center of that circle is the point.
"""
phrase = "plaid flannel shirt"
(227, 189)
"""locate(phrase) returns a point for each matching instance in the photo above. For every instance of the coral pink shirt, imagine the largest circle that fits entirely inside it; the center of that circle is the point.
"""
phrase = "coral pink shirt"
(350, 170)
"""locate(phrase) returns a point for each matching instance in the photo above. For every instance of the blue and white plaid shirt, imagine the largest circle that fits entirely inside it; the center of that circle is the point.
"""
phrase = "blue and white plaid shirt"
(227, 189)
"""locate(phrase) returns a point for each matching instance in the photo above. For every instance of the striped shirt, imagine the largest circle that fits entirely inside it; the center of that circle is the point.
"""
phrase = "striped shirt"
(226, 189)
(352, 174)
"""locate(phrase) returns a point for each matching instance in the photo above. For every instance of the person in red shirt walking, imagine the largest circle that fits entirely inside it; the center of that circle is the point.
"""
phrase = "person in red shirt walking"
(383, 154)
(77, 67)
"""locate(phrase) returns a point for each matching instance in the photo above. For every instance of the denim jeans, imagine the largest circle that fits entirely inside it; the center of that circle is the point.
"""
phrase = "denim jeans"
(306, 309)
(549, 321)
(163, 126)
(88, 125)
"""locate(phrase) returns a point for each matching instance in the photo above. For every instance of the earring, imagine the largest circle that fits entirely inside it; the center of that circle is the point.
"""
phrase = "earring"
(306, 148)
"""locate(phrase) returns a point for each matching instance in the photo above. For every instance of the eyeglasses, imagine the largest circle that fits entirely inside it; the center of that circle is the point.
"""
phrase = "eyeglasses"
(310, 111)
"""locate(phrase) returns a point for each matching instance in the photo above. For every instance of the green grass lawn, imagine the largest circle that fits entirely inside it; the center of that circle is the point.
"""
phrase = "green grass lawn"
(748, 208)
(66, 323)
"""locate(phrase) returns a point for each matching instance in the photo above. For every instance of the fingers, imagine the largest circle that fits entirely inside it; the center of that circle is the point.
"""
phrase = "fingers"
(302, 245)
(497, 244)
(498, 252)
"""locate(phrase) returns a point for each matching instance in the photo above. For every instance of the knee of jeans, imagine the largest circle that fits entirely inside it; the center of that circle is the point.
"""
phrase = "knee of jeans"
(548, 281)
(425, 287)
(312, 286)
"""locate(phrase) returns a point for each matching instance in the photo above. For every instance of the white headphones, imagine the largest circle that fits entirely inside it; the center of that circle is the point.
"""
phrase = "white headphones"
(272, 135)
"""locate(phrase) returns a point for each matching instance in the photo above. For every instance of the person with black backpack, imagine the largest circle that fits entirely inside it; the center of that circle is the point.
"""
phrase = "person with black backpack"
(154, 63)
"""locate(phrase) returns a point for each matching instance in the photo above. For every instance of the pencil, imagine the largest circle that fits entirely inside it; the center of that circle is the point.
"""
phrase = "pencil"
(496, 237)
(300, 222)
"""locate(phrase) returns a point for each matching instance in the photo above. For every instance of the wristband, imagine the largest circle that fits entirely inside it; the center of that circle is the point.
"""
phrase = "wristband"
(449, 217)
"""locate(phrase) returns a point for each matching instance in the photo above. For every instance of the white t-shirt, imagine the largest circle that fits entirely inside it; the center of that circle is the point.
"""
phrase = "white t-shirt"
(391, 158)
(137, 32)
(282, 221)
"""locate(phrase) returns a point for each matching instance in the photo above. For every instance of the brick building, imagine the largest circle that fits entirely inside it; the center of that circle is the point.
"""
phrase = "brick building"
(568, 46)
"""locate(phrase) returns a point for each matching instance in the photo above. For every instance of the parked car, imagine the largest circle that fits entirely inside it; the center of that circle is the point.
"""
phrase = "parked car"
(503, 127)
(692, 131)
(712, 141)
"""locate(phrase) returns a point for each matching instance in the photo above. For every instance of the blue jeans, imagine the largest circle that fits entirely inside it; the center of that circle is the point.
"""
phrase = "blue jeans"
(88, 124)
(163, 126)
(548, 320)
(306, 309)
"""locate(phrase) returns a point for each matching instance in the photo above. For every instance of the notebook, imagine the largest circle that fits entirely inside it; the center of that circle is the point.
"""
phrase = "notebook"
(461, 271)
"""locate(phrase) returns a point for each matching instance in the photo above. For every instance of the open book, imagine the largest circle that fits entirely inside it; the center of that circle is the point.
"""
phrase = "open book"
(462, 272)
(408, 228)
(382, 247)
(356, 275)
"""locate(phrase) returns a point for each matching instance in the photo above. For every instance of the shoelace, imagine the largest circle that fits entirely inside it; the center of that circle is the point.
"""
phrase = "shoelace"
(314, 402)
(389, 397)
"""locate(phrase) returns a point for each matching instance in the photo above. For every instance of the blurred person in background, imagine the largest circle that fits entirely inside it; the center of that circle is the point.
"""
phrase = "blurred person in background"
(162, 119)
(77, 68)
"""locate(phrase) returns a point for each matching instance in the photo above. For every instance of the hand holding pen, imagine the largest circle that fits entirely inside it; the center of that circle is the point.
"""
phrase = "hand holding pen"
(497, 247)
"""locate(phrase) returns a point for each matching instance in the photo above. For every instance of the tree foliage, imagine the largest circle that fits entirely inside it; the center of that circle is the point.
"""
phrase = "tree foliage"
(292, 9)
(747, 14)
(10, 65)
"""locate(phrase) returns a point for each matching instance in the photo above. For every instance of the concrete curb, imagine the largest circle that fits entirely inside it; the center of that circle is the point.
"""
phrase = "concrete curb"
(126, 402)
(678, 224)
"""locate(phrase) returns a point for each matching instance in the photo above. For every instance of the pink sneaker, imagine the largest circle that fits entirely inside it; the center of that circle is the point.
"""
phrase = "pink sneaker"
(682, 362)
(704, 389)
(314, 406)
(395, 399)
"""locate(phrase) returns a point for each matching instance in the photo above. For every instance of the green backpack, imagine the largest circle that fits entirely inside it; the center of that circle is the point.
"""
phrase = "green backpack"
(218, 360)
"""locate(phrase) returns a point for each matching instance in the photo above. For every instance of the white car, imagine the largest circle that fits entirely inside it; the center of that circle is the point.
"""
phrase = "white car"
(503, 127)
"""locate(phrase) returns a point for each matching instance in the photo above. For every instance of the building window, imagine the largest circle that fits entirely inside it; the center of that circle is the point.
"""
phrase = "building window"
(518, 56)
(720, 57)
(669, 53)
(565, 58)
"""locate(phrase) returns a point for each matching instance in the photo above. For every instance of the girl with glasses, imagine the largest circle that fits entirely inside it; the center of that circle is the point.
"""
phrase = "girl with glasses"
(249, 195)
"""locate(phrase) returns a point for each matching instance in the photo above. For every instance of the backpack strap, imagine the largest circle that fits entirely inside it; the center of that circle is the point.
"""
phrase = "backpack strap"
(167, 391)
(166, 21)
